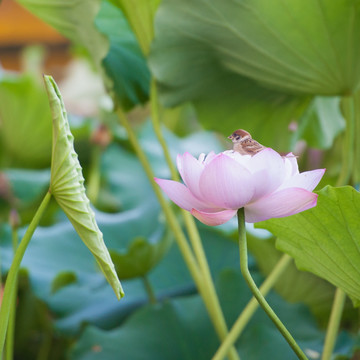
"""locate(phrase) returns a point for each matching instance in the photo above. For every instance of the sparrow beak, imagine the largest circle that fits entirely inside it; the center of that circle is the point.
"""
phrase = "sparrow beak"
(230, 137)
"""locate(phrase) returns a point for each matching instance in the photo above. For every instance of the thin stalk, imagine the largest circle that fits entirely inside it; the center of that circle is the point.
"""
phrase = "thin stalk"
(334, 323)
(12, 274)
(169, 214)
(10, 335)
(45, 349)
(155, 118)
(180, 238)
(1, 284)
(349, 141)
(356, 171)
(251, 307)
(350, 106)
(191, 228)
(93, 184)
(149, 290)
(256, 292)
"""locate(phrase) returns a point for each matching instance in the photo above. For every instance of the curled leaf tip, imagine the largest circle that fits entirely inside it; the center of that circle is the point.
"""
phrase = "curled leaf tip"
(67, 187)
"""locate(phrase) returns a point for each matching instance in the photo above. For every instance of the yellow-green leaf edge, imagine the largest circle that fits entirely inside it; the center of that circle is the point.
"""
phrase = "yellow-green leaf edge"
(67, 187)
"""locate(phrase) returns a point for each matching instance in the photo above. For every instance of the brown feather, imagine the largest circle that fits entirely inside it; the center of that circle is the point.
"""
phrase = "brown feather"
(244, 143)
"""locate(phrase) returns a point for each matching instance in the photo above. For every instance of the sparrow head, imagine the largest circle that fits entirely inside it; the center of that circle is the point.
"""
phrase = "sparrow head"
(238, 135)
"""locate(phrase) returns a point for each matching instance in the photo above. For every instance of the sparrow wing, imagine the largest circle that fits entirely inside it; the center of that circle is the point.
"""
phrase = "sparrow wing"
(252, 147)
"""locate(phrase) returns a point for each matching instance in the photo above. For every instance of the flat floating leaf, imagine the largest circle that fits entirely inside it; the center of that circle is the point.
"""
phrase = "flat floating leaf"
(142, 255)
(67, 187)
(179, 329)
(325, 240)
(62, 280)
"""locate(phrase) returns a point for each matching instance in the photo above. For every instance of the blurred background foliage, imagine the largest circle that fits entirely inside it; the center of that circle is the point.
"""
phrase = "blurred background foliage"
(204, 59)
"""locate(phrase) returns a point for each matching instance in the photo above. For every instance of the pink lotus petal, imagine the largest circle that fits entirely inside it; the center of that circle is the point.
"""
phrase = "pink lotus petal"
(262, 159)
(291, 165)
(283, 203)
(307, 180)
(209, 157)
(180, 195)
(215, 218)
(243, 160)
(226, 184)
(268, 171)
(190, 170)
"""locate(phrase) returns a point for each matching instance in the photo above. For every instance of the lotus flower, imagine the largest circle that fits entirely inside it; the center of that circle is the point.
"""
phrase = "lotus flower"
(267, 185)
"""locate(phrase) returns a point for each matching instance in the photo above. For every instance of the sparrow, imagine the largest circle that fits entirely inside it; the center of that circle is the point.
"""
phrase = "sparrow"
(244, 144)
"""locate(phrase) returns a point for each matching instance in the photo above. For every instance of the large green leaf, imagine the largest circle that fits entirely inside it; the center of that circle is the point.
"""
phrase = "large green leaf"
(240, 61)
(74, 20)
(325, 240)
(25, 126)
(67, 186)
(140, 15)
(302, 46)
(124, 63)
(317, 293)
(187, 68)
(232, 102)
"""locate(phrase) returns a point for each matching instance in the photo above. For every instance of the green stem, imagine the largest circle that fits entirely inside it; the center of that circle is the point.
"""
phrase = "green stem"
(349, 141)
(174, 225)
(334, 323)
(149, 290)
(93, 184)
(218, 317)
(12, 274)
(356, 172)
(169, 214)
(251, 307)
(256, 292)
(10, 335)
(351, 155)
(155, 118)
(45, 349)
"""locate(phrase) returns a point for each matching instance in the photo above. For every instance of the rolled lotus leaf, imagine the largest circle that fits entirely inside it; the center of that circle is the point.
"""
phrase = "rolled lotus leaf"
(67, 187)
